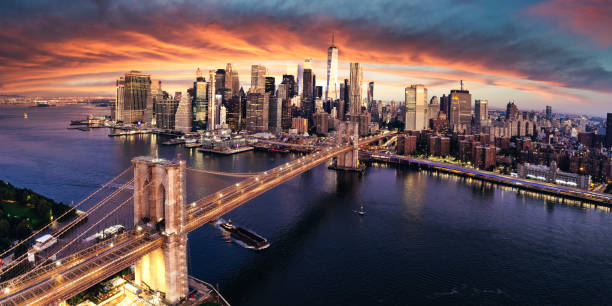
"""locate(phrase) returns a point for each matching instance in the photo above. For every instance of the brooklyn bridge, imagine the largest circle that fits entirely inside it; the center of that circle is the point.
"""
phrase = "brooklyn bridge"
(152, 194)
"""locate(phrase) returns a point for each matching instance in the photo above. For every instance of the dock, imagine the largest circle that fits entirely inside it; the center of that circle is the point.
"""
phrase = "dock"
(193, 145)
(129, 133)
(226, 151)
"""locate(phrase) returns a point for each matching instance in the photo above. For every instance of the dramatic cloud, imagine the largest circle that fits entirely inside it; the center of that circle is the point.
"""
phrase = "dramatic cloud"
(63, 46)
(591, 18)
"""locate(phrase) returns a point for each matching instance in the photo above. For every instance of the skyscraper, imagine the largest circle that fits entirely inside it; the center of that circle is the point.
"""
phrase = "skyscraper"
(182, 118)
(234, 111)
(212, 105)
(609, 130)
(370, 93)
(258, 78)
(290, 85)
(228, 78)
(165, 111)
(356, 78)
(307, 93)
(433, 109)
(135, 88)
(275, 110)
(460, 109)
(220, 81)
(257, 112)
(548, 112)
(445, 105)
(300, 80)
(235, 82)
(481, 112)
(512, 112)
(117, 109)
(270, 87)
(331, 88)
(156, 95)
(344, 99)
(199, 102)
(416, 107)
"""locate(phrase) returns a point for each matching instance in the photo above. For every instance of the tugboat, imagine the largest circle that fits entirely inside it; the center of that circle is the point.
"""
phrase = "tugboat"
(249, 238)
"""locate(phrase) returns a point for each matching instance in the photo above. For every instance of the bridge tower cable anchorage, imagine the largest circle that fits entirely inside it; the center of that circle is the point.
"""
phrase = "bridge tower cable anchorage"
(65, 213)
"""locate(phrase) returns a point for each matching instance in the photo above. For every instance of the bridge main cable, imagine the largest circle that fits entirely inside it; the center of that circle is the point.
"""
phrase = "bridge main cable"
(232, 174)
(65, 213)
(67, 227)
(14, 282)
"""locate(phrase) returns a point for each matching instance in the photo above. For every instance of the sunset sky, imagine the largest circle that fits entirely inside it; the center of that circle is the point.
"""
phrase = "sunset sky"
(553, 52)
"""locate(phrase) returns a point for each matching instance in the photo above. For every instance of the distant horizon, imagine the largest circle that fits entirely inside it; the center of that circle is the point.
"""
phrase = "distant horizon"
(491, 108)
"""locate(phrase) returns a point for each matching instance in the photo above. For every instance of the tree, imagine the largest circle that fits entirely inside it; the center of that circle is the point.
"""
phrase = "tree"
(23, 229)
(42, 209)
(5, 228)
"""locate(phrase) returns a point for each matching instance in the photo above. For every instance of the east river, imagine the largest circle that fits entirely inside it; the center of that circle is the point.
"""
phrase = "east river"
(426, 238)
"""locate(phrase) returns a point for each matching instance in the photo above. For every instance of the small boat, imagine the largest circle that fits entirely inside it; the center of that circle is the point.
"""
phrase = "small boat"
(361, 212)
(25, 115)
(227, 225)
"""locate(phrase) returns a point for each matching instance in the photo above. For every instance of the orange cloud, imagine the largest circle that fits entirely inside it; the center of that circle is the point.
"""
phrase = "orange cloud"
(82, 63)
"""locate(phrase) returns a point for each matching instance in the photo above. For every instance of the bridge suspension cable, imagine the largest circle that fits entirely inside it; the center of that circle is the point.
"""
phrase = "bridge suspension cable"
(65, 213)
(70, 225)
(232, 174)
(13, 282)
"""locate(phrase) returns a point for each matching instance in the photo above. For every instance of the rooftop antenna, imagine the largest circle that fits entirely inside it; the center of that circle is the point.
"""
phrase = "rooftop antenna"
(332, 38)
(461, 82)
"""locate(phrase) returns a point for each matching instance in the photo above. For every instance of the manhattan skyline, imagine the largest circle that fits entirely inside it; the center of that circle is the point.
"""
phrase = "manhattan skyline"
(536, 53)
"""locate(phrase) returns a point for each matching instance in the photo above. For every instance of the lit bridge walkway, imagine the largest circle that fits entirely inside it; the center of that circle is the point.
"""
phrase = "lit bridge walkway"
(61, 279)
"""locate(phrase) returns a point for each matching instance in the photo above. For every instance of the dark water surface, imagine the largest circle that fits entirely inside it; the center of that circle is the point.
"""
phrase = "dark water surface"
(426, 238)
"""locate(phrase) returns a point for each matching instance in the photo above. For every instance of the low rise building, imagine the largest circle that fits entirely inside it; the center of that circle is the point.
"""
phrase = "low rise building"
(553, 175)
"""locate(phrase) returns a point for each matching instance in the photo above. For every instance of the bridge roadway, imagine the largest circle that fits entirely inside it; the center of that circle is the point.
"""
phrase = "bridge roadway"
(68, 276)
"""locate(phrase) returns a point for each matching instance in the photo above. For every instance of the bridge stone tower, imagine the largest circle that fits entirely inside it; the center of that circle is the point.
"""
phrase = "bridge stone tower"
(159, 204)
(348, 132)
